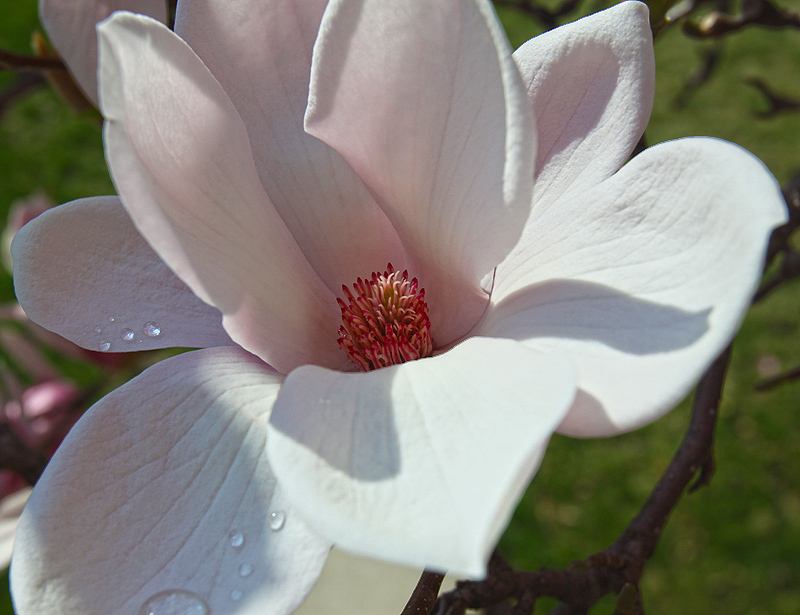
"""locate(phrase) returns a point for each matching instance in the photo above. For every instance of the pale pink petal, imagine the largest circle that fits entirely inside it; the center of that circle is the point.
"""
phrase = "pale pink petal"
(421, 463)
(591, 85)
(70, 24)
(10, 509)
(83, 271)
(261, 54)
(181, 160)
(426, 104)
(644, 280)
(151, 491)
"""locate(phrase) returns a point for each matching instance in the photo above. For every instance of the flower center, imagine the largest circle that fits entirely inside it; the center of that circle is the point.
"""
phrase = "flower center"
(386, 321)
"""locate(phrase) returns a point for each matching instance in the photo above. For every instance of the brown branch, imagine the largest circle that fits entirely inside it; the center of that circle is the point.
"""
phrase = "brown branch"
(771, 383)
(619, 568)
(776, 102)
(425, 593)
(19, 458)
(19, 62)
(790, 269)
(21, 84)
(779, 243)
(709, 61)
(754, 12)
(548, 18)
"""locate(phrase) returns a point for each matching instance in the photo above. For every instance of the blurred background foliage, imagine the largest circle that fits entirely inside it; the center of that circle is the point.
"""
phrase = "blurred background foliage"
(732, 547)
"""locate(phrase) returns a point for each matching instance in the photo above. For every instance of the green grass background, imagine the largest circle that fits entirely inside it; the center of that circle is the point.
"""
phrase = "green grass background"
(733, 547)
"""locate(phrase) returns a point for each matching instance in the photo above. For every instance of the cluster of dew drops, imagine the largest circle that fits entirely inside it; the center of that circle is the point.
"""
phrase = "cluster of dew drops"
(183, 602)
(149, 329)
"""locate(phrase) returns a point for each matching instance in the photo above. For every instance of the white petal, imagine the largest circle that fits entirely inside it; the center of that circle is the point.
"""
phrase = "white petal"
(422, 463)
(261, 54)
(70, 24)
(142, 495)
(644, 280)
(181, 160)
(83, 263)
(426, 104)
(10, 509)
(591, 85)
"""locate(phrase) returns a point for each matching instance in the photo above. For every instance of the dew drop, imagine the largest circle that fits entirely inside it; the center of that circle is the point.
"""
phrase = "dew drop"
(151, 329)
(245, 570)
(236, 595)
(276, 520)
(104, 345)
(97, 329)
(236, 538)
(111, 319)
(174, 602)
(127, 334)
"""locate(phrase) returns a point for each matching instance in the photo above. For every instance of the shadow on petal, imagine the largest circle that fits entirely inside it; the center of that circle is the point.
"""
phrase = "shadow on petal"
(359, 437)
(587, 311)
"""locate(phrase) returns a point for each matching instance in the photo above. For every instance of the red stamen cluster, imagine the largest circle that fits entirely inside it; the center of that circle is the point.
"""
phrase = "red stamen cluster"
(386, 321)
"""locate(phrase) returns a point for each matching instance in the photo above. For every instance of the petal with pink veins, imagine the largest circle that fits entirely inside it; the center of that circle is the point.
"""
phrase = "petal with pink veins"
(644, 280)
(117, 276)
(426, 104)
(336, 222)
(591, 85)
(421, 463)
(181, 160)
(70, 24)
(164, 486)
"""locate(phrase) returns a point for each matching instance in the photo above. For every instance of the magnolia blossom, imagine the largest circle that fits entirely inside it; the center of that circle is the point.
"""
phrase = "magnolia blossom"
(268, 154)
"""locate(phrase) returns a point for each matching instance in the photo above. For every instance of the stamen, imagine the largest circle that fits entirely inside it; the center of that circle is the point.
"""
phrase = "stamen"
(385, 321)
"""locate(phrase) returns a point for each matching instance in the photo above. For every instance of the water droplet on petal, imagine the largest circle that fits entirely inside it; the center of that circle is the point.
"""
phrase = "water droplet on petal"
(104, 345)
(111, 319)
(174, 602)
(151, 329)
(97, 329)
(236, 538)
(236, 595)
(127, 334)
(245, 570)
(276, 520)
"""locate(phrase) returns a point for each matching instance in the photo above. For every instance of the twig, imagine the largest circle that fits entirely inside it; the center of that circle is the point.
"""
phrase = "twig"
(771, 383)
(547, 18)
(20, 62)
(709, 61)
(22, 83)
(754, 12)
(19, 458)
(777, 103)
(425, 593)
(779, 243)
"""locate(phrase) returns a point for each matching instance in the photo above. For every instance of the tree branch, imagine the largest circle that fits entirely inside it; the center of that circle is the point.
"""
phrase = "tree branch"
(425, 593)
(771, 383)
(546, 17)
(19, 62)
(754, 12)
(19, 458)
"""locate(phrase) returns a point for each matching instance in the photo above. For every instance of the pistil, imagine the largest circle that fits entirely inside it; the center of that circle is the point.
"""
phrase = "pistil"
(385, 321)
